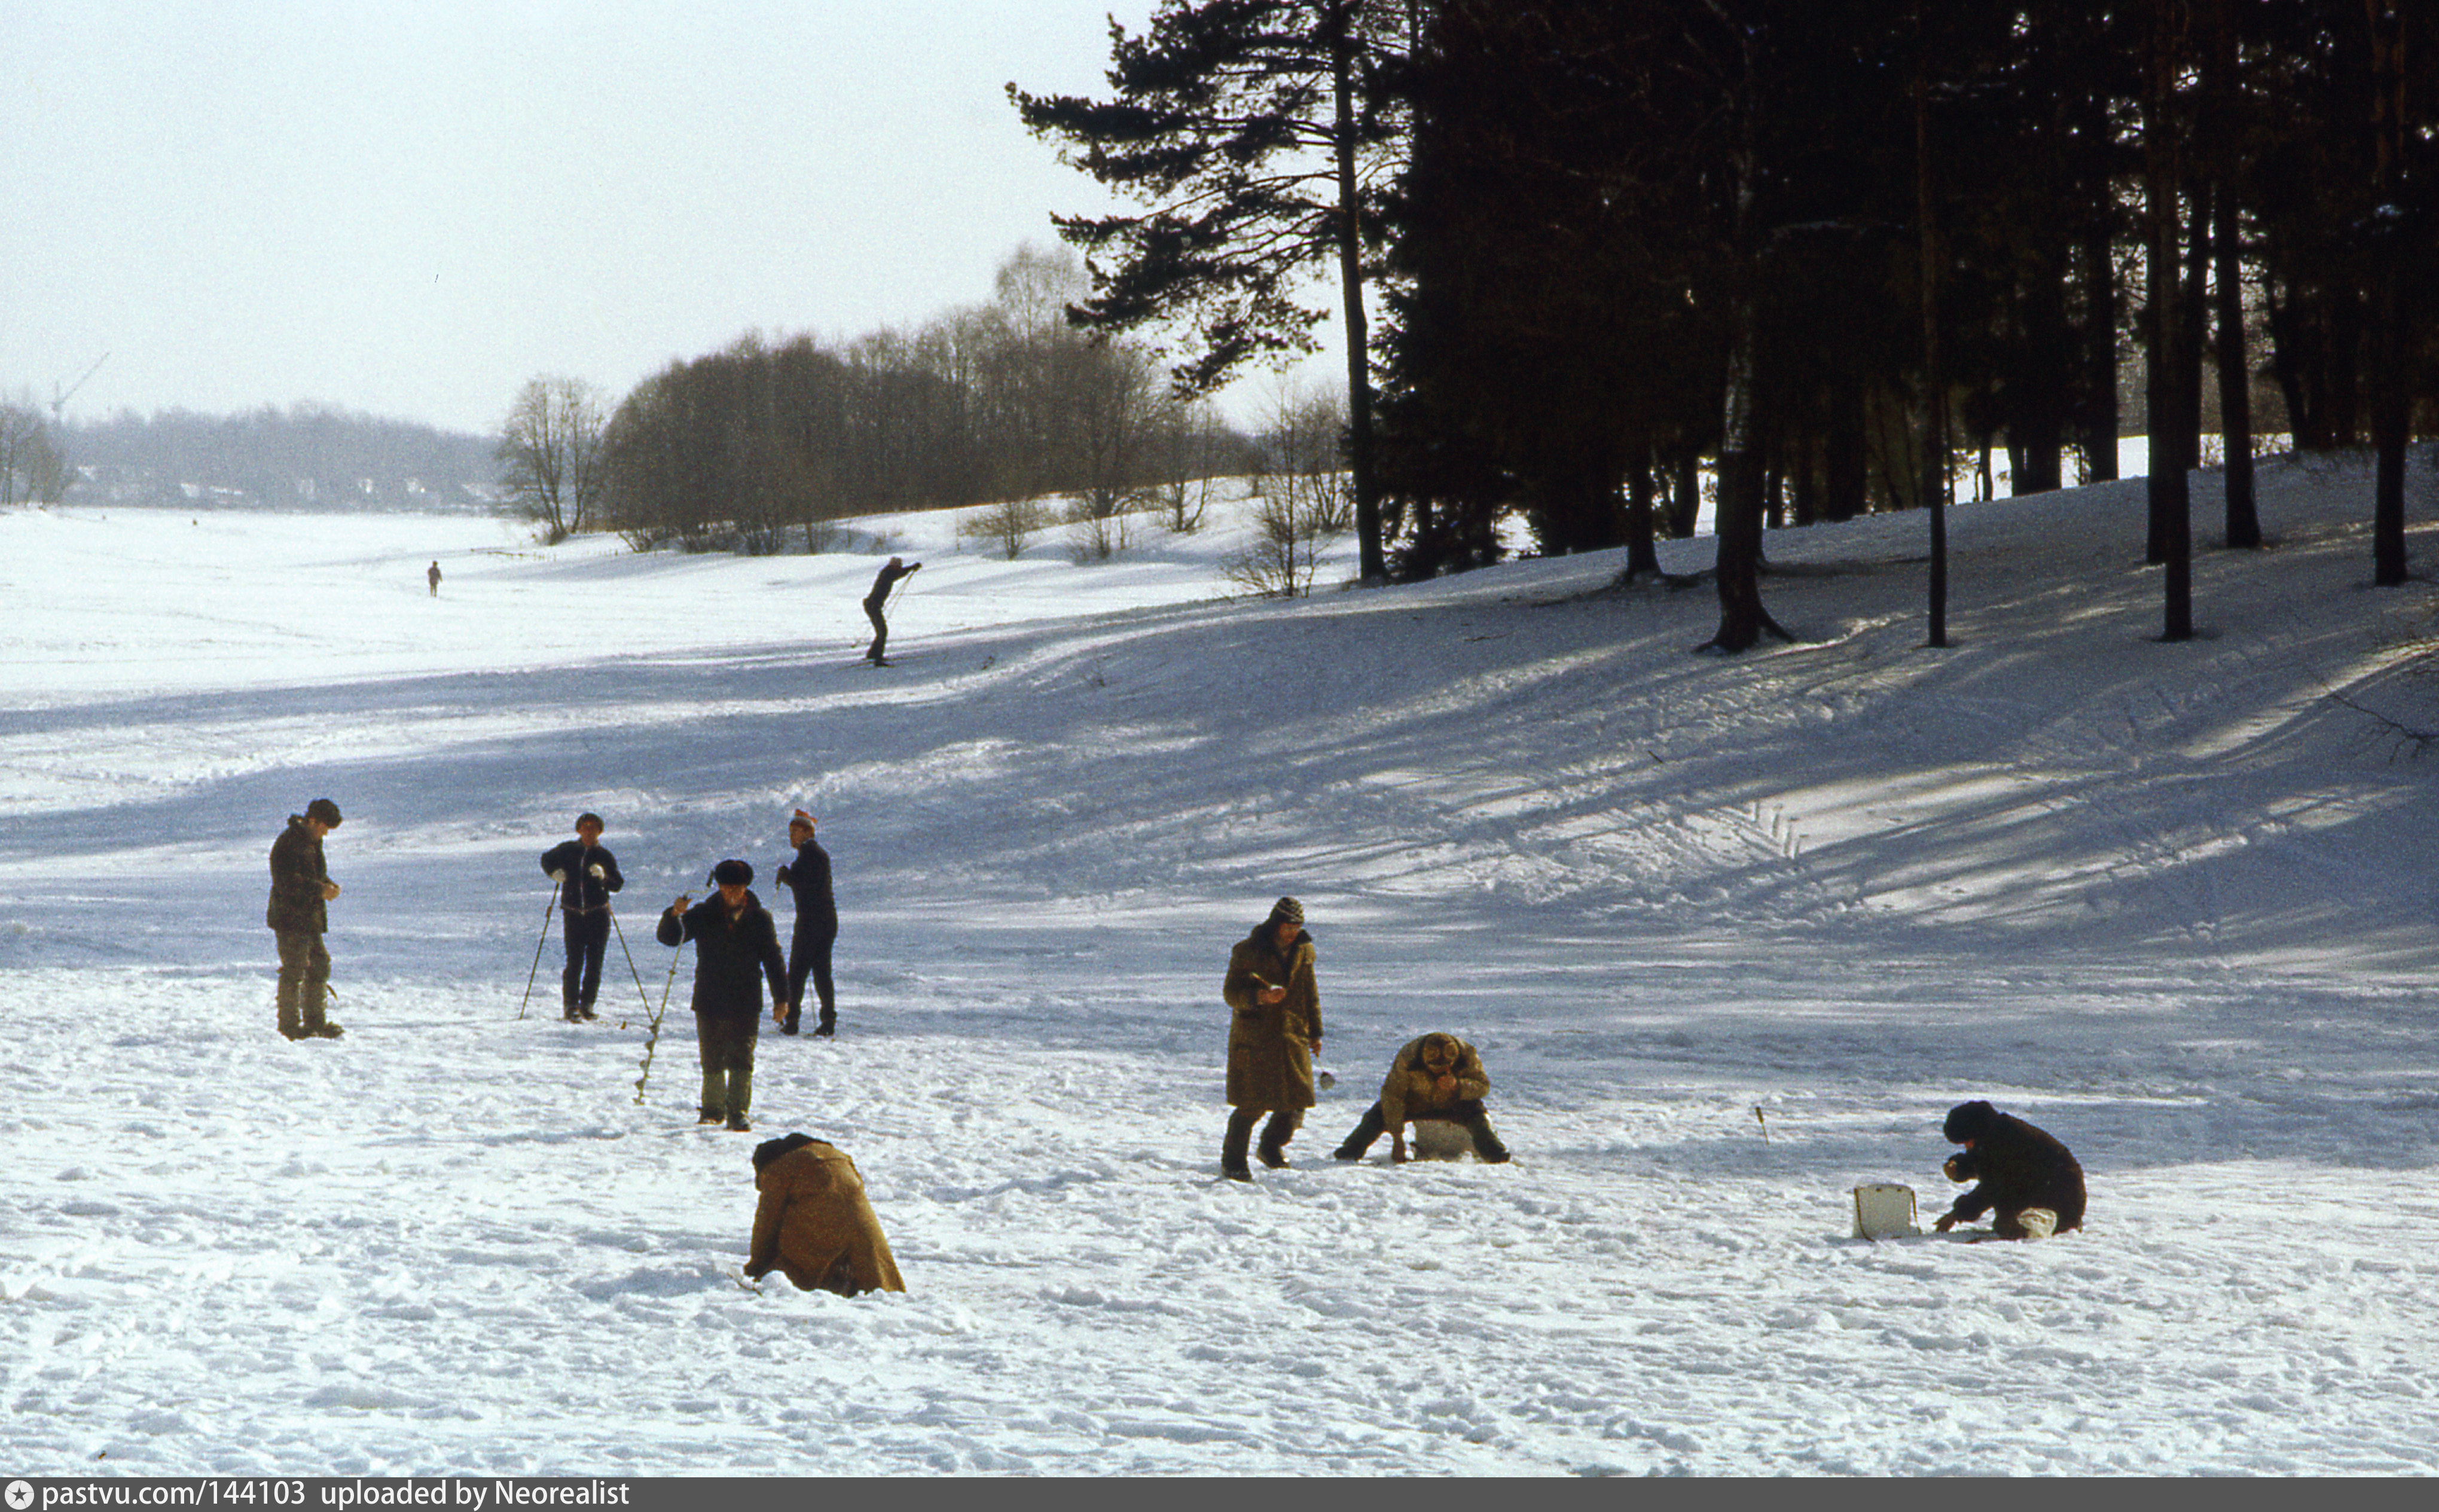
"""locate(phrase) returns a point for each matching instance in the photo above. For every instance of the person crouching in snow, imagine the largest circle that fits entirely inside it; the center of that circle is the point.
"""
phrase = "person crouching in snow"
(1438, 1075)
(734, 939)
(813, 1223)
(2029, 1181)
(1272, 1037)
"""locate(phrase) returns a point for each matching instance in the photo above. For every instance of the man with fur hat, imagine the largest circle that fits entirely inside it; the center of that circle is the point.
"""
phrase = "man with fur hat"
(809, 948)
(735, 941)
(1273, 1037)
(813, 1224)
(1438, 1075)
(2029, 1182)
(587, 873)
(300, 886)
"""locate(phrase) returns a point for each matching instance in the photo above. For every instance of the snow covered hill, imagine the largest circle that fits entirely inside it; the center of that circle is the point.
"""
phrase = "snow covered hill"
(1731, 933)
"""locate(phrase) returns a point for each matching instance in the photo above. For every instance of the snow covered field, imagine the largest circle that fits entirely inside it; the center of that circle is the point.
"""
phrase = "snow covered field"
(1731, 933)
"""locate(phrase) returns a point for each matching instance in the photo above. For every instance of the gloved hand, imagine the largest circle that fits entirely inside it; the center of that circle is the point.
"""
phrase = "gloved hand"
(559, 875)
(595, 872)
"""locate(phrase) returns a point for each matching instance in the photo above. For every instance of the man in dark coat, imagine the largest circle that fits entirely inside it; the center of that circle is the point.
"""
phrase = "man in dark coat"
(300, 886)
(735, 942)
(1438, 1075)
(1273, 1037)
(587, 873)
(809, 949)
(873, 601)
(2029, 1182)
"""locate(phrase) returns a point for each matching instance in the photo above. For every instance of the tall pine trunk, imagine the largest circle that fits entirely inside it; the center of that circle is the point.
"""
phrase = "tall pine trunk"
(2168, 488)
(1370, 565)
(2391, 400)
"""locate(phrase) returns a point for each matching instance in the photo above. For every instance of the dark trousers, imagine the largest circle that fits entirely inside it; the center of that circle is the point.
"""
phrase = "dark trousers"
(304, 981)
(725, 1041)
(1466, 1115)
(880, 630)
(588, 943)
(808, 955)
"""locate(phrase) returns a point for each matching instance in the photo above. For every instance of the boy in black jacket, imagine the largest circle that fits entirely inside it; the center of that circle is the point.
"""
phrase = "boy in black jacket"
(2029, 1181)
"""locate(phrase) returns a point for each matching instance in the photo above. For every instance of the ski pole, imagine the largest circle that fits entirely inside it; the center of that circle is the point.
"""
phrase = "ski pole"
(653, 1037)
(552, 907)
(646, 997)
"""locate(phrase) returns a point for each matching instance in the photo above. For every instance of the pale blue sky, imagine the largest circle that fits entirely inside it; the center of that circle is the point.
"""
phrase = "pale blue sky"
(408, 209)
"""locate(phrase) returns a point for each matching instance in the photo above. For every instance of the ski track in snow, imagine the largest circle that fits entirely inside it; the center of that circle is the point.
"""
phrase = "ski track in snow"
(1732, 935)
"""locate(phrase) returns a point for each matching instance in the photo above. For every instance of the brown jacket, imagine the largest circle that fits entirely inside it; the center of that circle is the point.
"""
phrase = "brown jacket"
(1409, 1092)
(1269, 1045)
(813, 1223)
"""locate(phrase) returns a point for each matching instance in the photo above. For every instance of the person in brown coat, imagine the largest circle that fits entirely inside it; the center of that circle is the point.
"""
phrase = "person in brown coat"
(300, 886)
(1273, 1037)
(813, 1224)
(1438, 1075)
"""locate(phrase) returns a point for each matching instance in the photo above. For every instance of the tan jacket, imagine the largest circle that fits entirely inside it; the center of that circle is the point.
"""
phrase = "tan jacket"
(1409, 1092)
(814, 1225)
(1269, 1044)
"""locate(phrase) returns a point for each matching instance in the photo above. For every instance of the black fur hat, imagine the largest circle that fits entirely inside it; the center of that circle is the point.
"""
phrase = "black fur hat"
(731, 871)
(1970, 1120)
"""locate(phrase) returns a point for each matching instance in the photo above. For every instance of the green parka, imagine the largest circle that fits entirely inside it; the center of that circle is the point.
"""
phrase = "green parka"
(1269, 1045)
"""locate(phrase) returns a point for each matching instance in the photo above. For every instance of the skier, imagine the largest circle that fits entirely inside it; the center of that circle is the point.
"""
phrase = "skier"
(587, 873)
(433, 577)
(1273, 1037)
(1438, 1075)
(809, 949)
(2029, 1182)
(734, 940)
(813, 1224)
(300, 888)
(874, 600)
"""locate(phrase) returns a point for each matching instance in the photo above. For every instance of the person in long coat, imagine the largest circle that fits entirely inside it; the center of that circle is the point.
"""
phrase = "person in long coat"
(300, 889)
(813, 1224)
(1273, 1037)
(1436, 1076)
(735, 941)
(2029, 1182)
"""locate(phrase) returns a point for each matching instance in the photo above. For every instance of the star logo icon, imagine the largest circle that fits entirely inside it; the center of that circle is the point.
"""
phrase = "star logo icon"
(21, 1495)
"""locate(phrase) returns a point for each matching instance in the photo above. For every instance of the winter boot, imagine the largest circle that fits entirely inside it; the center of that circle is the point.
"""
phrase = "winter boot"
(291, 1025)
(828, 1028)
(741, 1123)
(316, 1026)
(792, 1023)
(1231, 1150)
(1273, 1151)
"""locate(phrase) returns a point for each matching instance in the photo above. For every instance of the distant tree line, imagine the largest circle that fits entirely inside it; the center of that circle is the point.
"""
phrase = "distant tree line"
(759, 446)
(1809, 247)
(307, 456)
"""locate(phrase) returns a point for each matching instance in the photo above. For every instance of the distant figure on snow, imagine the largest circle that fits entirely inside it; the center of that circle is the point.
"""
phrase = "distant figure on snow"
(2029, 1182)
(873, 602)
(1273, 1037)
(813, 1223)
(809, 950)
(1439, 1076)
(735, 941)
(433, 577)
(300, 886)
(587, 873)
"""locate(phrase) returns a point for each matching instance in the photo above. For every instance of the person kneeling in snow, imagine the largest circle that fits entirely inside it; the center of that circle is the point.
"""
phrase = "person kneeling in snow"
(2029, 1181)
(1438, 1075)
(813, 1223)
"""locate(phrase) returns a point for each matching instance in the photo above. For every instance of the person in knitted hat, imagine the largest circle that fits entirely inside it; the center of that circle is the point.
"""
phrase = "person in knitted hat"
(735, 940)
(300, 886)
(1272, 1036)
(2028, 1182)
(809, 950)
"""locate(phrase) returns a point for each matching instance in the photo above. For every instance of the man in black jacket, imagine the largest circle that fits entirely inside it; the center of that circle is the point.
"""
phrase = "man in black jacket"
(809, 949)
(735, 941)
(587, 873)
(2029, 1182)
(300, 886)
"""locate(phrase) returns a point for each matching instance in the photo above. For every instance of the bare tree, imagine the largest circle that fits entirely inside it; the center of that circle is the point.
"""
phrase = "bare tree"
(1305, 500)
(33, 469)
(550, 453)
(1010, 524)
